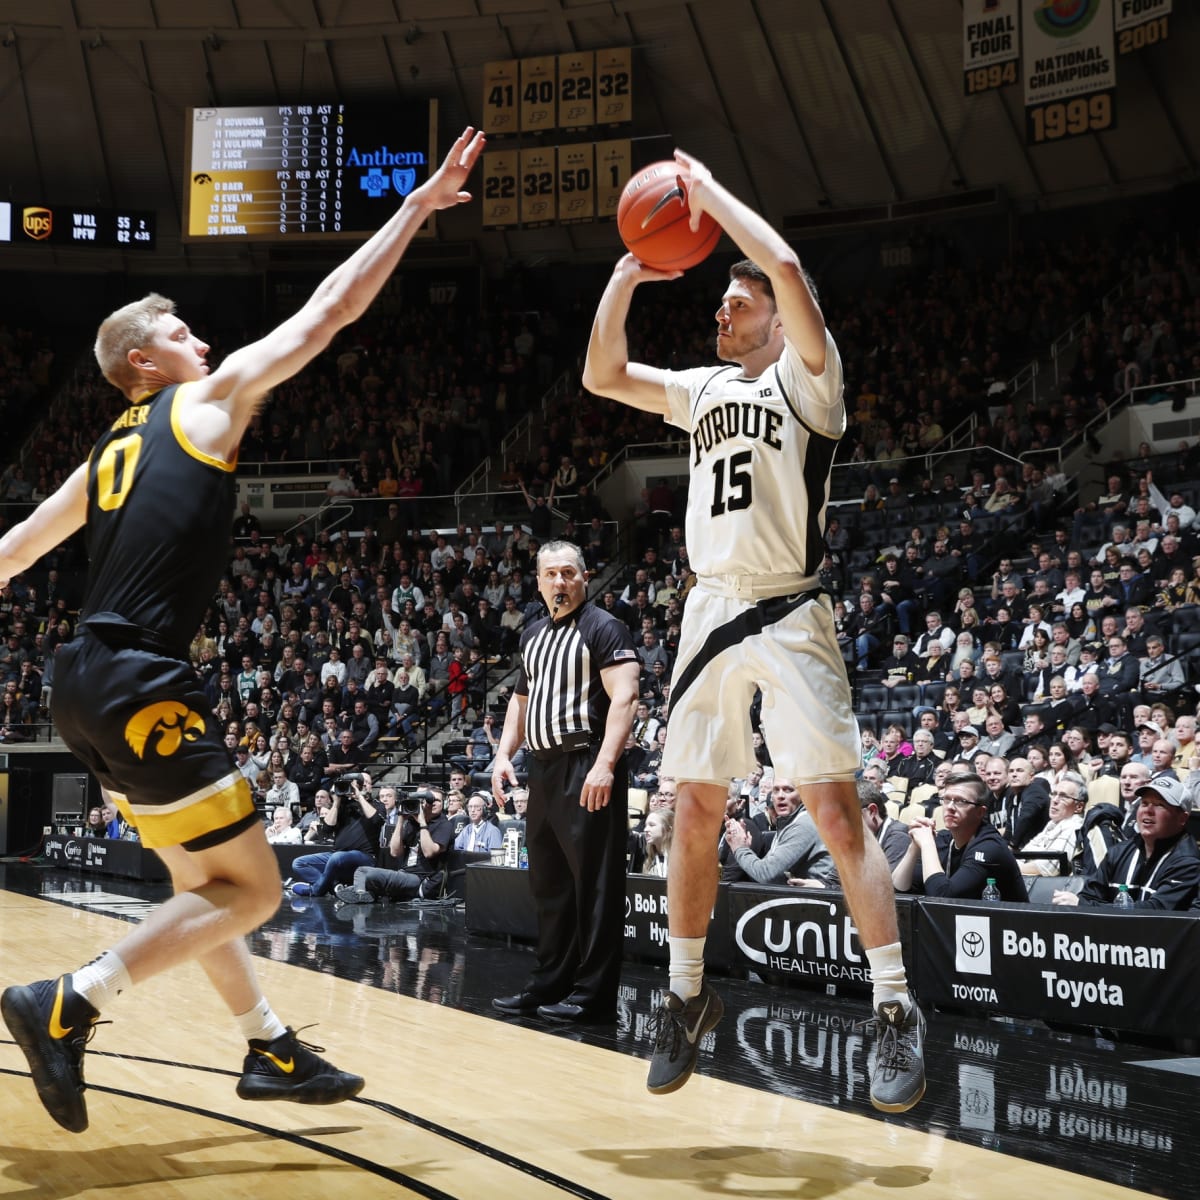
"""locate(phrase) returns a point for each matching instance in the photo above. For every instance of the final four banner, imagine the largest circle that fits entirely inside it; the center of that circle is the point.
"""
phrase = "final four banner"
(991, 44)
(1069, 68)
(1141, 23)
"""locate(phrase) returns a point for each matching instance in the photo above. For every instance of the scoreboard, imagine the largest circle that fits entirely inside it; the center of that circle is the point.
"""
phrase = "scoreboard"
(76, 225)
(278, 172)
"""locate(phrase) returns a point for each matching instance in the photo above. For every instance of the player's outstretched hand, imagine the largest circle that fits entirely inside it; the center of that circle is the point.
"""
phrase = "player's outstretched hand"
(444, 188)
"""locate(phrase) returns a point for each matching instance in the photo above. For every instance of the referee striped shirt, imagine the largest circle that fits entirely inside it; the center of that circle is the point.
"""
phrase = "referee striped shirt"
(561, 663)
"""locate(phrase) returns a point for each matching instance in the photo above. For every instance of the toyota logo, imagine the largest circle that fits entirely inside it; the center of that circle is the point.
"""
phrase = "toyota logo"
(972, 944)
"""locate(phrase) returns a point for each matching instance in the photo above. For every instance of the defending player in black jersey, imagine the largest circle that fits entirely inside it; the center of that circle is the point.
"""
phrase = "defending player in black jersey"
(156, 495)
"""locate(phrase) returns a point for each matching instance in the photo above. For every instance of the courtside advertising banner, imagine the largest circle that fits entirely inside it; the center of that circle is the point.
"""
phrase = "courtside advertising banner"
(806, 935)
(1076, 966)
(991, 44)
(1069, 68)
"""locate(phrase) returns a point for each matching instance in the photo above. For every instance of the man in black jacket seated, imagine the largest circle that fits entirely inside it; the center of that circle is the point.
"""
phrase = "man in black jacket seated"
(1025, 806)
(1160, 866)
(957, 862)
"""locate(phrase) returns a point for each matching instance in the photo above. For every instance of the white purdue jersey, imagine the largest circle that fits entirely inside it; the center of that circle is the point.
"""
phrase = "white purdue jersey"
(761, 450)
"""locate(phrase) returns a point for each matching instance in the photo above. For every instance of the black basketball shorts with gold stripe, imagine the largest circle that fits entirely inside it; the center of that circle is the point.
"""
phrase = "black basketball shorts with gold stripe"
(141, 723)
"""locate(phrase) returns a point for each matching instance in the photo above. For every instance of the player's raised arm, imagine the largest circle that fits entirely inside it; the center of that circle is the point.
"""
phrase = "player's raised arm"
(607, 370)
(344, 295)
(803, 324)
(49, 525)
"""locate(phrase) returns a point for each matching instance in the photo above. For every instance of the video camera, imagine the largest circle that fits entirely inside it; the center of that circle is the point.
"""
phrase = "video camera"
(412, 803)
(343, 784)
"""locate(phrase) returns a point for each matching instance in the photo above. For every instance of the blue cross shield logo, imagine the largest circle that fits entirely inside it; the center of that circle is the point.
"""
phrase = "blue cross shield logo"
(403, 179)
(374, 183)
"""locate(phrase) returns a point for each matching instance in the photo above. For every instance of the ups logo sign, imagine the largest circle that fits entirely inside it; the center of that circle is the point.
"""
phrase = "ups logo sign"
(37, 223)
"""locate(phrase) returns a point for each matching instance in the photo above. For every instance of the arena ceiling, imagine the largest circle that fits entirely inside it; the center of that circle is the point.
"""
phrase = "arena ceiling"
(802, 106)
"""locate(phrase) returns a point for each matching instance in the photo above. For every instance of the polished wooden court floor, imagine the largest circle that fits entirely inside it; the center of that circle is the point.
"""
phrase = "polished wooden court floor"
(461, 1104)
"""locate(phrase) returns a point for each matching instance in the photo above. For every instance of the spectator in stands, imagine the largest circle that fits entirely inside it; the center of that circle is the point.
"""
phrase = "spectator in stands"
(281, 831)
(996, 739)
(478, 834)
(958, 862)
(1159, 865)
(891, 834)
(796, 848)
(653, 849)
(282, 793)
(920, 766)
(1060, 833)
(1025, 805)
(901, 665)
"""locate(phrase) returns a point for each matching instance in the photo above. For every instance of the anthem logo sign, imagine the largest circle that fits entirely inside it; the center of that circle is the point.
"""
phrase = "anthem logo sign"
(972, 945)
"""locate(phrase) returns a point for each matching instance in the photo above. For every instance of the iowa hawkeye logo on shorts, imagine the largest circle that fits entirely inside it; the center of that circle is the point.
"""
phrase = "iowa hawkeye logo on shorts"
(168, 723)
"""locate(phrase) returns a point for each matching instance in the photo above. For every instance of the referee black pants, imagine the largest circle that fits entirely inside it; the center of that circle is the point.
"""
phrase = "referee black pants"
(577, 877)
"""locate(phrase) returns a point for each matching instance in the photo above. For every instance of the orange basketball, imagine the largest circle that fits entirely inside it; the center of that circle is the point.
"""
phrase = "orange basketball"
(653, 218)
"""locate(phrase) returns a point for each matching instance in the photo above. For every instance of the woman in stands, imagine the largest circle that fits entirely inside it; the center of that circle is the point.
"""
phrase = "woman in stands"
(660, 829)
(1080, 626)
(1060, 760)
(1037, 653)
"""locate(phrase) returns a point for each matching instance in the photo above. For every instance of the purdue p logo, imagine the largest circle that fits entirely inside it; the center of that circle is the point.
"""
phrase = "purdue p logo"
(164, 727)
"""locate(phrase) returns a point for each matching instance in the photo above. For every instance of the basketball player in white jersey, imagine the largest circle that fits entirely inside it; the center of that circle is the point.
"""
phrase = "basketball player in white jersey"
(763, 429)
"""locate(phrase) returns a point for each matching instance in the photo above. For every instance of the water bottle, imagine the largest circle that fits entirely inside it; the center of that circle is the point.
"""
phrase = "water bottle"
(1123, 899)
(523, 860)
(991, 892)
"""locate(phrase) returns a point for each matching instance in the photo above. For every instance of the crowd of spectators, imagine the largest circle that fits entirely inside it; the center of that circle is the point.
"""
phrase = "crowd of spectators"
(968, 605)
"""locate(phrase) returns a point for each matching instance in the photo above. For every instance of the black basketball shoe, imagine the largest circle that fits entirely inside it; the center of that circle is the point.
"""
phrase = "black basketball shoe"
(289, 1069)
(53, 1024)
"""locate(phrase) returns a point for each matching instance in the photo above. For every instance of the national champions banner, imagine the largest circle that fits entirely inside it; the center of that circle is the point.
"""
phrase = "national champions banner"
(1077, 966)
(1069, 68)
(991, 44)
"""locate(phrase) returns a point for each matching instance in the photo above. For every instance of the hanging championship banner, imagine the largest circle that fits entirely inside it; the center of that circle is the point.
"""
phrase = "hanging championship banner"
(1140, 23)
(576, 183)
(991, 44)
(500, 96)
(1069, 68)
(538, 93)
(614, 165)
(500, 205)
(538, 191)
(577, 89)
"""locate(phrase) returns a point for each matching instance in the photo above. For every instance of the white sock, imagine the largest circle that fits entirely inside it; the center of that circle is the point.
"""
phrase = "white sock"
(887, 975)
(687, 966)
(102, 980)
(260, 1024)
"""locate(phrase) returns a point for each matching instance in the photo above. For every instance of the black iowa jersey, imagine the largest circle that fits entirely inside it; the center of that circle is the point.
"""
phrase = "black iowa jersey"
(157, 523)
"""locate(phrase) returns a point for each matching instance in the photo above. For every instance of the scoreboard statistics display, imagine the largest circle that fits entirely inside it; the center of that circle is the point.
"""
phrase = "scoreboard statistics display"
(76, 225)
(278, 172)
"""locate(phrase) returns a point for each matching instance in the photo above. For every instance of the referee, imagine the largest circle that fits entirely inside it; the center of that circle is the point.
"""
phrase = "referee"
(573, 705)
